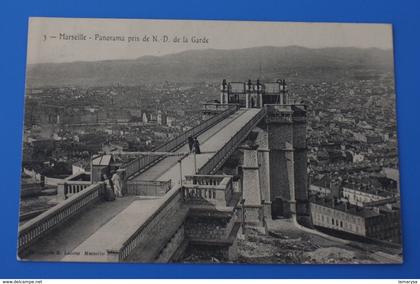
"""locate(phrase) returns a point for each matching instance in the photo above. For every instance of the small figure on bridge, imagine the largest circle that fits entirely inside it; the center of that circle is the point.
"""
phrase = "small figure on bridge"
(196, 146)
(109, 190)
(116, 179)
(190, 143)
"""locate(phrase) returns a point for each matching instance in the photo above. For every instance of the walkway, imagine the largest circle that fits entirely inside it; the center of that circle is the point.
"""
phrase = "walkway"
(109, 223)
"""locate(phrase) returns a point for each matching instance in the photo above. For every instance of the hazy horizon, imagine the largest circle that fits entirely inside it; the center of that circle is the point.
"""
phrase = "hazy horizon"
(204, 49)
(221, 35)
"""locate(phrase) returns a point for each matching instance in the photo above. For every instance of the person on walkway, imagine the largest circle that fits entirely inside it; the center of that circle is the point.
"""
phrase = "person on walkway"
(196, 146)
(116, 179)
(190, 143)
(109, 188)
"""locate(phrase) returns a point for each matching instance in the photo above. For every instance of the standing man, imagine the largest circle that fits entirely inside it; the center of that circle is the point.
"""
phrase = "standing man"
(196, 146)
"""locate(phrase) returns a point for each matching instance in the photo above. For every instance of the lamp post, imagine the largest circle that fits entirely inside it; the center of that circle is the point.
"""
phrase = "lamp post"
(195, 163)
(243, 215)
(180, 171)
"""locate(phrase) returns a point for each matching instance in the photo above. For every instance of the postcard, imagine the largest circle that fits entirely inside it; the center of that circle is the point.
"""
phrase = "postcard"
(197, 141)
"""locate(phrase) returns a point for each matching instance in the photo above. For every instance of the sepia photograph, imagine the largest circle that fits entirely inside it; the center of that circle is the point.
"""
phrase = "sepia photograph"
(191, 141)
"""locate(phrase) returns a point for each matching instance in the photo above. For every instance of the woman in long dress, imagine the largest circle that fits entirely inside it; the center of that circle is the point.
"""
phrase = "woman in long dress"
(117, 184)
(109, 194)
(197, 146)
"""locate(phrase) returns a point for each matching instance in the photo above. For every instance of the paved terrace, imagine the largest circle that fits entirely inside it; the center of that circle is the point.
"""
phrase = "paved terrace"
(108, 224)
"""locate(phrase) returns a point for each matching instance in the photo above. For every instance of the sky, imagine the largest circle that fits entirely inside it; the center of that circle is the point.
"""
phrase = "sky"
(45, 44)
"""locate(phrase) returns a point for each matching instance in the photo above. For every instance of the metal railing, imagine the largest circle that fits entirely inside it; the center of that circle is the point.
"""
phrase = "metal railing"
(223, 154)
(148, 187)
(40, 225)
(140, 164)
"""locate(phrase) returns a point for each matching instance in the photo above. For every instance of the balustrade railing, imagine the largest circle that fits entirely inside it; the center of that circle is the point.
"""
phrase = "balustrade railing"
(221, 156)
(140, 164)
(204, 179)
(73, 187)
(213, 189)
(40, 225)
(148, 187)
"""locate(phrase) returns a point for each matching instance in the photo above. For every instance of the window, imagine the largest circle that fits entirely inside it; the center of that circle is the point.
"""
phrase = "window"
(332, 221)
(341, 224)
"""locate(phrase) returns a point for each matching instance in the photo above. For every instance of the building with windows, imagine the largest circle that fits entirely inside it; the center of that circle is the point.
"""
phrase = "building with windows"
(359, 195)
(382, 223)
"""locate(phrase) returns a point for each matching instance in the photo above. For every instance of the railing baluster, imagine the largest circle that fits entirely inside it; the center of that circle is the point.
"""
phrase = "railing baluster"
(36, 227)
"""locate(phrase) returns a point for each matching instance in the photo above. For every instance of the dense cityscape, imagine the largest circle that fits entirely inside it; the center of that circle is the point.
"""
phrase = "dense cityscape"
(351, 127)
(351, 137)
(64, 127)
(353, 159)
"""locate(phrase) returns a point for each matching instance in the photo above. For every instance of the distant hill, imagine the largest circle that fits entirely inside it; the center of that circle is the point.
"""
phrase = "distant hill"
(212, 65)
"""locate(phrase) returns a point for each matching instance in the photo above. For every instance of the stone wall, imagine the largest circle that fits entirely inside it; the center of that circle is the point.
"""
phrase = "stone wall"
(172, 246)
(300, 172)
(280, 141)
(208, 228)
(288, 166)
(264, 158)
(254, 215)
(155, 234)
